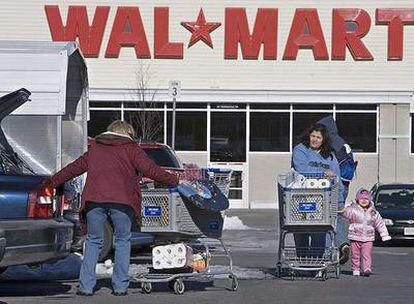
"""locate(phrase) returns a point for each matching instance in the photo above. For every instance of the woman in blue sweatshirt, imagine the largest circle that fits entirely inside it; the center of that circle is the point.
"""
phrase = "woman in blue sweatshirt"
(314, 155)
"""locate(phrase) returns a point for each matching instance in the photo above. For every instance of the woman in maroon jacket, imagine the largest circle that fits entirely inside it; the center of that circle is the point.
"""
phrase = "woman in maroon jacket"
(112, 165)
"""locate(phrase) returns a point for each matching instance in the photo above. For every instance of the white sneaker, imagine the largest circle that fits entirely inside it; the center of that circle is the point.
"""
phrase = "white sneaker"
(356, 273)
(319, 274)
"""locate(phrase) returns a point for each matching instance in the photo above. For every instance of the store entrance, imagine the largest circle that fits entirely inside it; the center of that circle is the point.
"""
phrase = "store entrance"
(228, 150)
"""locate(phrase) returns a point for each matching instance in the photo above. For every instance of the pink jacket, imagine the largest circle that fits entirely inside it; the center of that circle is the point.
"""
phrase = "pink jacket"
(363, 223)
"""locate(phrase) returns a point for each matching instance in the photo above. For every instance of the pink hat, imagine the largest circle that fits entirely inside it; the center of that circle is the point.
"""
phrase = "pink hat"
(363, 194)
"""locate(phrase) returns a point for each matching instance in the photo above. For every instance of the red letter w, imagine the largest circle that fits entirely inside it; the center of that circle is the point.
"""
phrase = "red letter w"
(77, 26)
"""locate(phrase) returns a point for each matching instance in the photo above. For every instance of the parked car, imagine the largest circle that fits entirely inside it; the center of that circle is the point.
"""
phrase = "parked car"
(163, 156)
(31, 227)
(395, 203)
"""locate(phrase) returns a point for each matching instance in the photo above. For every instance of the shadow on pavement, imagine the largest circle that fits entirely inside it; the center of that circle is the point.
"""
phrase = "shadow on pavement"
(135, 287)
(33, 288)
(395, 243)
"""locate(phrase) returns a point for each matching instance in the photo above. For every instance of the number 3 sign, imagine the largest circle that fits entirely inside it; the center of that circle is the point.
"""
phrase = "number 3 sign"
(175, 89)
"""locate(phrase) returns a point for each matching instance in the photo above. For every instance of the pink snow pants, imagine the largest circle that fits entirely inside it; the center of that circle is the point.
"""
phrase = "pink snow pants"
(361, 251)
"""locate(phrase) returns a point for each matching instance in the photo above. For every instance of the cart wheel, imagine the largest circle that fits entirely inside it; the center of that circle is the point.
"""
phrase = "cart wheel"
(179, 287)
(146, 287)
(324, 275)
(234, 282)
(279, 270)
(338, 272)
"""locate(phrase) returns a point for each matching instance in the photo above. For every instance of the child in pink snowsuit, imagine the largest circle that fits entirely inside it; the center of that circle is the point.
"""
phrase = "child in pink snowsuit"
(364, 220)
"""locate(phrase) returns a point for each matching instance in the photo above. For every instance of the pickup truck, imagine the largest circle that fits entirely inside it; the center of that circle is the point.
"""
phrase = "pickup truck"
(32, 230)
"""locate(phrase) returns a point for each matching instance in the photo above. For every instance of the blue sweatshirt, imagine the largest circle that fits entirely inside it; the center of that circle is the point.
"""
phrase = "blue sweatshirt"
(307, 160)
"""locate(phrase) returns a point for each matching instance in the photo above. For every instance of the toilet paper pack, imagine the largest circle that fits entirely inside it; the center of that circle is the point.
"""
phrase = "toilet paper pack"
(311, 183)
(172, 256)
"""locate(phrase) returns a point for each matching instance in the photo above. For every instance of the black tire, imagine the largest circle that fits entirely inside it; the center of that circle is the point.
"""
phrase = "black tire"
(171, 284)
(279, 270)
(146, 287)
(179, 287)
(234, 282)
(107, 245)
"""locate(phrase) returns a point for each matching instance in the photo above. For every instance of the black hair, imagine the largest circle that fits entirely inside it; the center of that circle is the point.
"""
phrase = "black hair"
(326, 149)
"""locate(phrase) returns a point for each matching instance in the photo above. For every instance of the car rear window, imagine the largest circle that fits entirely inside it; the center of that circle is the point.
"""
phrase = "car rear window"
(399, 198)
(10, 165)
(163, 157)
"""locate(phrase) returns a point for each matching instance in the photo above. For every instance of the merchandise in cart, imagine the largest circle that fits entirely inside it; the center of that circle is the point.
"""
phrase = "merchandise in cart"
(174, 218)
(308, 208)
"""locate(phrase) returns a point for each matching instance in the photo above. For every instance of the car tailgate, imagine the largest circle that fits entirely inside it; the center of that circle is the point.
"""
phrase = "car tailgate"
(14, 193)
(32, 241)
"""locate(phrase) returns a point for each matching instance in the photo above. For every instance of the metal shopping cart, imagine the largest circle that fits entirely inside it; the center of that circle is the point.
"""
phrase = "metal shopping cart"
(220, 176)
(172, 218)
(308, 207)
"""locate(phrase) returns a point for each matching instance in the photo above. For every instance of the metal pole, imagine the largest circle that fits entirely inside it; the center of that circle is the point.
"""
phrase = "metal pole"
(173, 125)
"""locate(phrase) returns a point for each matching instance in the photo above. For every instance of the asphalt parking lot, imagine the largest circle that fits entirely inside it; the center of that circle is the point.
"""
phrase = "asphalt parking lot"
(253, 249)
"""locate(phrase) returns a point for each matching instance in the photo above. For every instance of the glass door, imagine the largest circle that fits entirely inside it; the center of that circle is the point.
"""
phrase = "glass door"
(228, 150)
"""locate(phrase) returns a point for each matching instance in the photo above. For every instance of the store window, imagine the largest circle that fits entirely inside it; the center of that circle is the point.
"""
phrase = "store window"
(143, 105)
(269, 132)
(148, 125)
(359, 130)
(350, 106)
(190, 130)
(100, 120)
(105, 104)
(313, 106)
(268, 106)
(228, 137)
(187, 105)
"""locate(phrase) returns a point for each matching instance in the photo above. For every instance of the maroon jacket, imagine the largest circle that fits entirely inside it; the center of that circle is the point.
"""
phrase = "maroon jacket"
(113, 163)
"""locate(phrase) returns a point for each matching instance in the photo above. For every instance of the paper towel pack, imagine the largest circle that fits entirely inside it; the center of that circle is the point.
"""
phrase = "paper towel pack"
(172, 256)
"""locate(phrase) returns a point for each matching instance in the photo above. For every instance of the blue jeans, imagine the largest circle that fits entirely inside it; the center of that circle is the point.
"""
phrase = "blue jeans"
(122, 236)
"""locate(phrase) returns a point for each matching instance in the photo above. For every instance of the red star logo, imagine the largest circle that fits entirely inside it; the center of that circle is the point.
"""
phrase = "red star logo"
(200, 30)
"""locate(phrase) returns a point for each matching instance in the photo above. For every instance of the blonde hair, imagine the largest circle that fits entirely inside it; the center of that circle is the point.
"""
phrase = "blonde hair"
(121, 127)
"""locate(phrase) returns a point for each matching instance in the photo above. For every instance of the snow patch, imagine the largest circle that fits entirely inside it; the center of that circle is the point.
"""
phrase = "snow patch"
(240, 272)
(390, 253)
(103, 269)
(234, 223)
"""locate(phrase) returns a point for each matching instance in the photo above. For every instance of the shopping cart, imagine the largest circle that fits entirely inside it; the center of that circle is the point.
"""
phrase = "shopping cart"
(308, 208)
(172, 219)
(220, 176)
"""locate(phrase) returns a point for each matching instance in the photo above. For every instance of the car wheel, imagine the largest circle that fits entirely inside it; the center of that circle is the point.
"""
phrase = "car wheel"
(107, 245)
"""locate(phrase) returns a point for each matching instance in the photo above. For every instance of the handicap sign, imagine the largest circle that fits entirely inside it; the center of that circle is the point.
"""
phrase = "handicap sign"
(152, 211)
(307, 207)
(214, 225)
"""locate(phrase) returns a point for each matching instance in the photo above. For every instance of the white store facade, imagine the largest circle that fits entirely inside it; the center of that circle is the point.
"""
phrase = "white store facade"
(254, 75)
